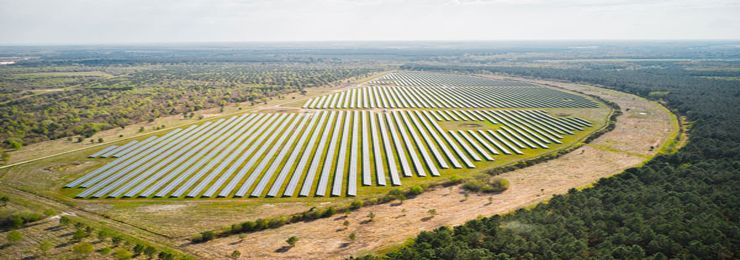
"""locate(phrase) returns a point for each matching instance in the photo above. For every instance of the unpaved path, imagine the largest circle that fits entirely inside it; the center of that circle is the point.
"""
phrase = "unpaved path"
(643, 124)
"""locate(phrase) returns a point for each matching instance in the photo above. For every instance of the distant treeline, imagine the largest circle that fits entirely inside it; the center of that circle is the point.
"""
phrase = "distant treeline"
(684, 205)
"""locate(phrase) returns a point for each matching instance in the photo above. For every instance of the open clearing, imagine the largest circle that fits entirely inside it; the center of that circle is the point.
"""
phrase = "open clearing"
(643, 124)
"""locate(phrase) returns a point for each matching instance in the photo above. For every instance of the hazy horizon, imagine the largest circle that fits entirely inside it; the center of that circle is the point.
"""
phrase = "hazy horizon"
(82, 22)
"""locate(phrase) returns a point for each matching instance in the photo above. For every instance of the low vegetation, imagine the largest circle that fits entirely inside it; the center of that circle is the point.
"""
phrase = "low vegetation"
(486, 185)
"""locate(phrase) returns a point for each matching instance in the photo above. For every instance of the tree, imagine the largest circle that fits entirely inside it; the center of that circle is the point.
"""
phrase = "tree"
(292, 241)
(14, 236)
(371, 216)
(352, 236)
(236, 254)
(83, 249)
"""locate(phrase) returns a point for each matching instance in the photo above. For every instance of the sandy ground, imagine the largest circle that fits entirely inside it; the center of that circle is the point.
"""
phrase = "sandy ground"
(644, 124)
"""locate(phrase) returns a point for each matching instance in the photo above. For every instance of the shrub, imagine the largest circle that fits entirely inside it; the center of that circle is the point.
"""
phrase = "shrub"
(416, 190)
(84, 248)
(454, 180)
(165, 256)
(79, 234)
(330, 211)
(14, 236)
(487, 185)
(18, 219)
(105, 251)
(292, 241)
(248, 226)
(122, 254)
(277, 222)
(356, 205)
(150, 251)
(236, 254)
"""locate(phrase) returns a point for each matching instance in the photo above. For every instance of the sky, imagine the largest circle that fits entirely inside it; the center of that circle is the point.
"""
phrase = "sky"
(193, 21)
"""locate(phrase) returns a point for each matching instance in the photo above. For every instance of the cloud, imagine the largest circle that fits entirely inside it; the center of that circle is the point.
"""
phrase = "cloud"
(118, 21)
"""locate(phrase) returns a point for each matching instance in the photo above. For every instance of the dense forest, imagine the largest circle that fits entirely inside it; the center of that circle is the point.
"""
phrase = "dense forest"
(683, 205)
(39, 102)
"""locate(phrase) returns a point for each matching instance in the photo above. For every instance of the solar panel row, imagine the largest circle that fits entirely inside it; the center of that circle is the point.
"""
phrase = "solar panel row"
(264, 155)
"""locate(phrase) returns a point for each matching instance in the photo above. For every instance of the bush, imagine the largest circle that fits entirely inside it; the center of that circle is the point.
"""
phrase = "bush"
(356, 205)
(454, 180)
(277, 222)
(17, 219)
(207, 235)
(123, 254)
(165, 256)
(14, 236)
(292, 241)
(486, 185)
(105, 251)
(330, 211)
(416, 190)
(84, 248)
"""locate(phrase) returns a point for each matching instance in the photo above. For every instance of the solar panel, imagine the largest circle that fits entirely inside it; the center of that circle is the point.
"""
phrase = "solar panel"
(329, 161)
(341, 159)
(162, 160)
(245, 138)
(429, 142)
(379, 166)
(185, 170)
(420, 171)
(270, 143)
(255, 151)
(292, 158)
(390, 156)
(366, 171)
(352, 180)
(104, 151)
(120, 174)
(267, 177)
(233, 141)
(316, 162)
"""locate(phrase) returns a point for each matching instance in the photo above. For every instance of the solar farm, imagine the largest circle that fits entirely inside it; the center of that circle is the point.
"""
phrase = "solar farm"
(402, 127)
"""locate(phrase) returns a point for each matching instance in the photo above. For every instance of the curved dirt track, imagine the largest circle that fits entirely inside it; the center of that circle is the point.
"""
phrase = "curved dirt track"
(643, 124)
